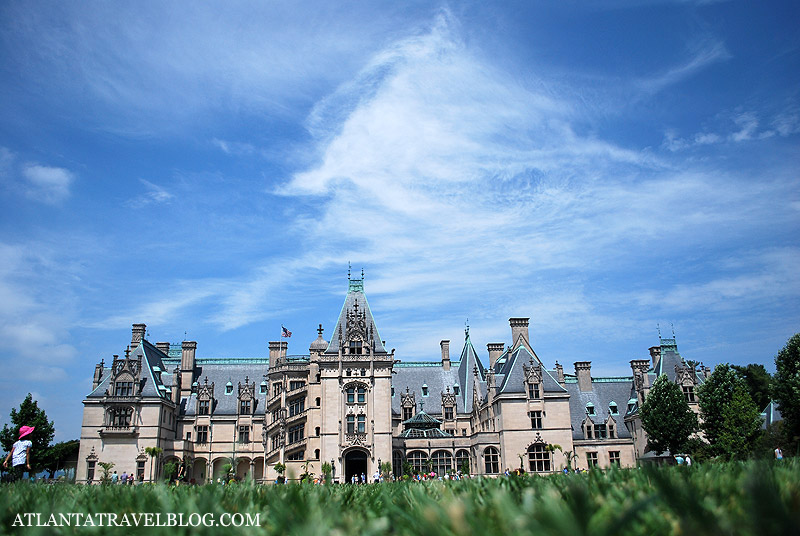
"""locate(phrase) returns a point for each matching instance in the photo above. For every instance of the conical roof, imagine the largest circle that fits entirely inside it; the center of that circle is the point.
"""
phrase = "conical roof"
(356, 317)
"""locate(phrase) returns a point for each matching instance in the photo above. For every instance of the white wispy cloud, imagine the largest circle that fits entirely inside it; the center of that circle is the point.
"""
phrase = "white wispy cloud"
(152, 194)
(164, 71)
(739, 126)
(706, 54)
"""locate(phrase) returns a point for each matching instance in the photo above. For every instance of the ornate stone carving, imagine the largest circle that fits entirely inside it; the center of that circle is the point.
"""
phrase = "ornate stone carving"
(448, 398)
(356, 440)
(408, 400)
(356, 324)
(533, 372)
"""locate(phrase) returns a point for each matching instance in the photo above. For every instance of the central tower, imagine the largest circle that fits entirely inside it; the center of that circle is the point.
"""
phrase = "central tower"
(356, 375)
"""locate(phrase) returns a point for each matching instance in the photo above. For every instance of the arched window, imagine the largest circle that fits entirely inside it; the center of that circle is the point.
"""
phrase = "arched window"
(316, 454)
(442, 462)
(491, 459)
(418, 460)
(397, 463)
(461, 457)
(539, 458)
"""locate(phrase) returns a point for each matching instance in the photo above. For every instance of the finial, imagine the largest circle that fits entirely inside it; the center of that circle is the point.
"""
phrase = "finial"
(658, 327)
(422, 405)
(362, 273)
(348, 270)
(466, 328)
(673, 329)
(320, 330)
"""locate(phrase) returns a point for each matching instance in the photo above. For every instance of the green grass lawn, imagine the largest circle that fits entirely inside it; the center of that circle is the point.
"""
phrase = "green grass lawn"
(732, 498)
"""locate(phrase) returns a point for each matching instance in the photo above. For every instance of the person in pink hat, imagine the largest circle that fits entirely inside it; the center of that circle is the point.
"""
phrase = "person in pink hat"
(20, 454)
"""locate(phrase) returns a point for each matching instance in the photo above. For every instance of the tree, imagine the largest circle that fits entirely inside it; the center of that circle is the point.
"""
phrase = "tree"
(786, 386)
(759, 383)
(170, 470)
(280, 469)
(106, 466)
(731, 420)
(29, 414)
(153, 452)
(326, 469)
(666, 417)
(741, 424)
(58, 454)
(386, 469)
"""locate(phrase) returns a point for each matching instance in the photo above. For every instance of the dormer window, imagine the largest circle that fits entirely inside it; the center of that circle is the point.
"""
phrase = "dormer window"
(244, 407)
(534, 391)
(229, 388)
(203, 407)
(425, 389)
(612, 408)
(688, 392)
(356, 347)
(456, 389)
(589, 409)
(263, 388)
(123, 388)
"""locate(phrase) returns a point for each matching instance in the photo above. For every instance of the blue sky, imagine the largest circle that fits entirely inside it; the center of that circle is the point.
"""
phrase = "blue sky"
(209, 169)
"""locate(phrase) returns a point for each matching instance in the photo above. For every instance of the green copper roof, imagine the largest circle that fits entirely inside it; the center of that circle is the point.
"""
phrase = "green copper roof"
(422, 421)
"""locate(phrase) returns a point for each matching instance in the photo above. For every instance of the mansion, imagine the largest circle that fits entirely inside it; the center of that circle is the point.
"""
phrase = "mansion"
(351, 403)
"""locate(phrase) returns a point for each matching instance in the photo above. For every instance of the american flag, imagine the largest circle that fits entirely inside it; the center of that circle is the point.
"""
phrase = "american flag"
(285, 332)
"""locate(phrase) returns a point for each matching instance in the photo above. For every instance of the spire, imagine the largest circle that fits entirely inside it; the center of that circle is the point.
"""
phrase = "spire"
(355, 319)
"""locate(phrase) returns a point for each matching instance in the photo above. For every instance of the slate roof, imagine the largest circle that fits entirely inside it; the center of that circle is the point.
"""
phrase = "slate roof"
(771, 414)
(154, 379)
(355, 294)
(222, 373)
(604, 391)
(669, 359)
(510, 371)
(413, 375)
(466, 375)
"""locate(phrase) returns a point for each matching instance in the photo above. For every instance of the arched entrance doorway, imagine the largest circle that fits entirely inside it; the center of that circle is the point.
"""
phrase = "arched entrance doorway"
(355, 463)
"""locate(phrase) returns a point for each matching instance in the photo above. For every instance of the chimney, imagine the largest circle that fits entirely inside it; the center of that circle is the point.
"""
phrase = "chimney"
(176, 385)
(655, 355)
(495, 351)
(274, 353)
(519, 326)
(445, 354)
(187, 358)
(583, 370)
(642, 365)
(560, 373)
(137, 334)
(98, 374)
(164, 347)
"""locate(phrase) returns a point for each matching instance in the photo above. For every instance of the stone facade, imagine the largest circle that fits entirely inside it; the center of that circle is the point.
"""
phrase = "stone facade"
(350, 402)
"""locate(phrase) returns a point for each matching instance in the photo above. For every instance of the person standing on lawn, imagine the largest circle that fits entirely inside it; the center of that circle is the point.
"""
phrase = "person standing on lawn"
(20, 454)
